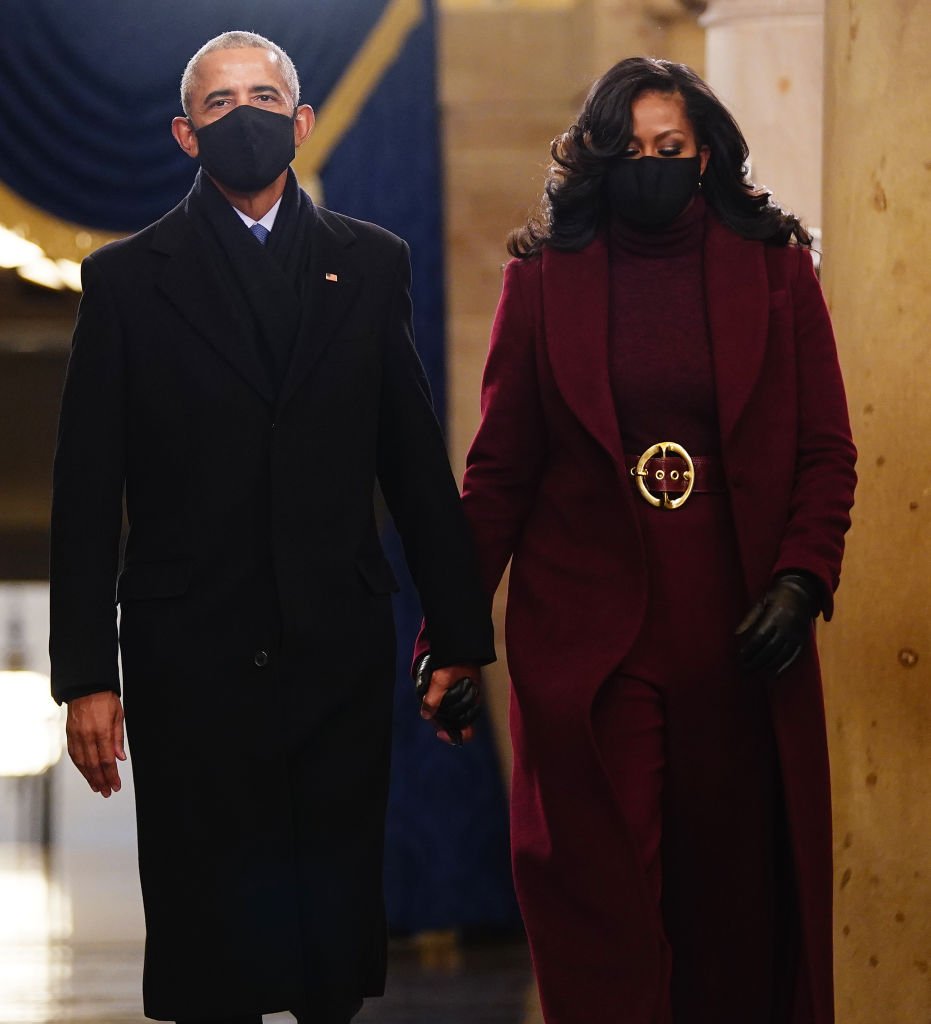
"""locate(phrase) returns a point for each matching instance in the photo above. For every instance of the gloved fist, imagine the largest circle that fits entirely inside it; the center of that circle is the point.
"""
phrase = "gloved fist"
(460, 704)
(776, 629)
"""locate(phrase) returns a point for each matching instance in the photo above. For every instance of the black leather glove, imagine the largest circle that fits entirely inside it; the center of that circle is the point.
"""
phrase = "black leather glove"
(460, 704)
(776, 629)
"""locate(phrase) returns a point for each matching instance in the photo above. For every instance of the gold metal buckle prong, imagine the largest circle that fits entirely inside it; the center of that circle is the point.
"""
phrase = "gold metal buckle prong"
(641, 473)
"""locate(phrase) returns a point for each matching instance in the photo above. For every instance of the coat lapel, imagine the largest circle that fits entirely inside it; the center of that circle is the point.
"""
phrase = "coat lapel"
(575, 312)
(191, 284)
(334, 283)
(737, 295)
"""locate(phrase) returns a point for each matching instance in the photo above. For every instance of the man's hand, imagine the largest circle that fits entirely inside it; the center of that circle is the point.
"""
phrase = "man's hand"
(95, 739)
(453, 695)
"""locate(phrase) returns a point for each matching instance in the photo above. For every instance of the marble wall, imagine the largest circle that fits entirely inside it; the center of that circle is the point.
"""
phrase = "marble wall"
(877, 653)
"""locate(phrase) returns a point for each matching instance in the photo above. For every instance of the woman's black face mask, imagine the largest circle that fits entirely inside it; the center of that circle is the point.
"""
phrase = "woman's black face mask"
(246, 149)
(651, 190)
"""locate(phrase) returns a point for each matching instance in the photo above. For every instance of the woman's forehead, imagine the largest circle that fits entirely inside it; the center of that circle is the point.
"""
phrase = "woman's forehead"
(656, 112)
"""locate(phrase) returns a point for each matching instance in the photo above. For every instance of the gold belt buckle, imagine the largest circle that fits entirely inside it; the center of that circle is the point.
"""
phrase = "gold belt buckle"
(640, 473)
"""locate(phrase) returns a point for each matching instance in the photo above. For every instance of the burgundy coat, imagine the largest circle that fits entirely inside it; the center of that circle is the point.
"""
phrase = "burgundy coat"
(546, 485)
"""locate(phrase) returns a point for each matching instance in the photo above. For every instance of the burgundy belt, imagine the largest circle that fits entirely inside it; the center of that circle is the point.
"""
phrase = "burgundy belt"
(666, 475)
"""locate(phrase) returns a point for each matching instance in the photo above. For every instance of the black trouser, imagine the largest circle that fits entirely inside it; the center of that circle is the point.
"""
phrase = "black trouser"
(255, 1019)
(314, 1016)
(248, 1019)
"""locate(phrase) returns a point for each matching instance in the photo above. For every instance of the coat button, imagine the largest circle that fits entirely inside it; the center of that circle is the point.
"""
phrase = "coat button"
(261, 659)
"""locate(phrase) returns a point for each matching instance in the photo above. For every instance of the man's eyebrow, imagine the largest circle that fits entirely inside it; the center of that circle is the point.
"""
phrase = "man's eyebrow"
(216, 94)
(223, 93)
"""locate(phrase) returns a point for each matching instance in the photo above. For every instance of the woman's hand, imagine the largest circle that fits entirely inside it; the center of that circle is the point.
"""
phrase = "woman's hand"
(450, 698)
(776, 629)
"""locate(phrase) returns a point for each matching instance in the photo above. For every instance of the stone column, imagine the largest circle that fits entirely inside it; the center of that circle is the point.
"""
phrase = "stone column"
(621, 28)
(764, 58)
(877, 652)
(654, 28)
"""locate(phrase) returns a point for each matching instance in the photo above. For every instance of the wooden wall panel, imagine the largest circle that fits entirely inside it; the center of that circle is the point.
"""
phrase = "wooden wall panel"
(877, 652)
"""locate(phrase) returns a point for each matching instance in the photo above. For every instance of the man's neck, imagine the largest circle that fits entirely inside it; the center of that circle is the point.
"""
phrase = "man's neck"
(255, 204)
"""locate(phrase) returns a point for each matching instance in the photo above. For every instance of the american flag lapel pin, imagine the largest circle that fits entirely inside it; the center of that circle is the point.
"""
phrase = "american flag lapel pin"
(331, 277)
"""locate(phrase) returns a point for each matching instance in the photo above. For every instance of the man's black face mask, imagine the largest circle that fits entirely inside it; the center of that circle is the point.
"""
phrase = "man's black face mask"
(246, 149)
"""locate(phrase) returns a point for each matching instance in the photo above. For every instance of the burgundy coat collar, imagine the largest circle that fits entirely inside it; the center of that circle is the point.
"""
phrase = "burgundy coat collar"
(575, 317)
(576, 310)
(737, 301)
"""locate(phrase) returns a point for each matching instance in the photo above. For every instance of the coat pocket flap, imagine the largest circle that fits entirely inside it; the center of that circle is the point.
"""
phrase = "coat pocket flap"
(141, 581)
(376, 572)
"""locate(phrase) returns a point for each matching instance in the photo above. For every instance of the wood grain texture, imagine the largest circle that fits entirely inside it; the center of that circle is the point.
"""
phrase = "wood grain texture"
(877, 652)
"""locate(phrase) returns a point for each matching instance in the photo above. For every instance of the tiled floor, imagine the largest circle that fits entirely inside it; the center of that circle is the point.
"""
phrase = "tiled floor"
(50, 976)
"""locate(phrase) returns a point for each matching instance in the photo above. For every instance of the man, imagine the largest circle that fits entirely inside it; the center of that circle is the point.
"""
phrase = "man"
(244, 371)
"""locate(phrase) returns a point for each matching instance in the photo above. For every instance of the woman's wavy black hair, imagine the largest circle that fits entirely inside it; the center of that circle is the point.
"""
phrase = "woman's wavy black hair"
(573, 207)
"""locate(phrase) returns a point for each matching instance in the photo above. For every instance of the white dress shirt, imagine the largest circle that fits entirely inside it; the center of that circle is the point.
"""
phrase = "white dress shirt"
(267, 222)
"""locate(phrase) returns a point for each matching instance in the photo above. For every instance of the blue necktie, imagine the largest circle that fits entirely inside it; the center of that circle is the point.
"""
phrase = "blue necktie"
(260, 232)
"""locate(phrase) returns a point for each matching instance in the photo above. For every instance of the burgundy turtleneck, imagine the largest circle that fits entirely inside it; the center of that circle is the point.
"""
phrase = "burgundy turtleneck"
(660, 351)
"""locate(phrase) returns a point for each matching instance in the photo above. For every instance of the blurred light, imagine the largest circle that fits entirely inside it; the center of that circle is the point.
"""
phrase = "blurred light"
(31, 263)
(15, 250)
(30, 724)
(34, 967)
(34, 907)
(70, 274)
(42, 271)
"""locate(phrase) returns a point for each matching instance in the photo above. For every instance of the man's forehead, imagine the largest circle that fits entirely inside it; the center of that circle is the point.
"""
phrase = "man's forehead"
(238, 63)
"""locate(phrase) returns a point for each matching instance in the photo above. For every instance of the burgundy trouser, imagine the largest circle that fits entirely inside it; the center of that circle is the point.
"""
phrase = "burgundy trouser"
(687, 742)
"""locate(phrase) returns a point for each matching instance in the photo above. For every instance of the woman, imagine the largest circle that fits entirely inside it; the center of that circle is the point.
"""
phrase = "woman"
(670, 805)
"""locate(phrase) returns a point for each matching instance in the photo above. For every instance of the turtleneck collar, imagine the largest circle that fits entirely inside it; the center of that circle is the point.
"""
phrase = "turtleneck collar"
(680, 237)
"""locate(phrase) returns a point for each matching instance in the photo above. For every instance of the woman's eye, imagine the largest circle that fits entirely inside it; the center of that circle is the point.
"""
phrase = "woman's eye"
(670, 151)
(629, 152)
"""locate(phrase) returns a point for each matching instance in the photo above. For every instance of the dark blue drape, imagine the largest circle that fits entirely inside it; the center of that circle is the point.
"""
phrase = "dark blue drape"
(87, 93)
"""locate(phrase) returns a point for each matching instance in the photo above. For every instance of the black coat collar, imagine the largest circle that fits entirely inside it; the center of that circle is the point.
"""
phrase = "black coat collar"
(191, 285)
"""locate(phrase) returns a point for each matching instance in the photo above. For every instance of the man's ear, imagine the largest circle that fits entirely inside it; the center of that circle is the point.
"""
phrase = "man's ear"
(185, 136)
(304, 120)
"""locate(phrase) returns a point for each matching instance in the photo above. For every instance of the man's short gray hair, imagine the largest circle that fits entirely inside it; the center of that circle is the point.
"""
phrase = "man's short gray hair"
(239, 41)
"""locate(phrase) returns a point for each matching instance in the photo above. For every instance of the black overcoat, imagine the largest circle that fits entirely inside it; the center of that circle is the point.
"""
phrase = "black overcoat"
(256, 629)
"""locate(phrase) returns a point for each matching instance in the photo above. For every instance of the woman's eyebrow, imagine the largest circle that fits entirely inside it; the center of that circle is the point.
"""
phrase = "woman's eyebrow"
(661, 135)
